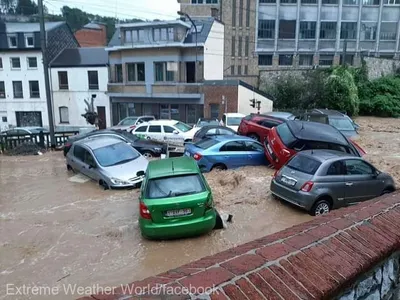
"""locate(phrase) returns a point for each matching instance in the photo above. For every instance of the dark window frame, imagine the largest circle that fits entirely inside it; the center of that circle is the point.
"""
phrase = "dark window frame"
(34, 94)
(62, 121)
(63, 80)
(93, 76)
(18, 94)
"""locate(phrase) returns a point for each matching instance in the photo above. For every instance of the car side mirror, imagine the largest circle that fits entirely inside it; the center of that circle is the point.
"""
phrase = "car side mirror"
(92, 166)
(140, 173)
(175, 132)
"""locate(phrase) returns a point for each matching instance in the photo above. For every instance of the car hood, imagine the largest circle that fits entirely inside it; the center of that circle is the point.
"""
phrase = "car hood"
(128, 170)
(190, 133)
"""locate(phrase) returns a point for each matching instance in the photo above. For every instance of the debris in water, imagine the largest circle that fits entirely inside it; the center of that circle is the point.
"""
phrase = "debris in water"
(25, 149)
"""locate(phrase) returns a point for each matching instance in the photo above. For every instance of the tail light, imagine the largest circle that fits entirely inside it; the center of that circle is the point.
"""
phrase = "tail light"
(197, 156)
(209, 202)
(144, 211)
(132, 127)
(307, 186)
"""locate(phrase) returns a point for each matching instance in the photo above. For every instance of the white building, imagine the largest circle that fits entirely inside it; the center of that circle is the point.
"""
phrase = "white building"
(22, 88)
(77, 75)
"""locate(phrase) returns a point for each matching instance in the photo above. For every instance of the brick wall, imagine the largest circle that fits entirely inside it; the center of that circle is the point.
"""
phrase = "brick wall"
(92, 37)
(329, 257)
(213, 95)
(58, 40)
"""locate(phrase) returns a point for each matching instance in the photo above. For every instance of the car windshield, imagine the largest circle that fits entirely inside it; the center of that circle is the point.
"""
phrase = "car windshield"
(129, 136)
(285, 134)
(207, 122)
(206, 143)
(341, 124)
(167, 187)
(115, 154)
(130, 121)
(304, 164)
(233, 121)
(183, 127)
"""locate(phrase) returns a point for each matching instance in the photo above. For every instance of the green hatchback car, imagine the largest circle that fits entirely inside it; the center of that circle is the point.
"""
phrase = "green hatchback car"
(175, 200)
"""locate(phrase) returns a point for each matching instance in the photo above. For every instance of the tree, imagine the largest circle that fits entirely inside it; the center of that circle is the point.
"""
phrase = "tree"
(75, 17)
(7, 6)
(26, 8)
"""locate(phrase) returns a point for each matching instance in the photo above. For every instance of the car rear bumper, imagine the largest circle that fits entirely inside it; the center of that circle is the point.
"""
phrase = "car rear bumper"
(298, 198)
(181, 229)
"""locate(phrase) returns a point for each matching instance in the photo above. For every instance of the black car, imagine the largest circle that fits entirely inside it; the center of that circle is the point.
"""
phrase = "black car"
(206, 122)
(212, 130)
(145, 147)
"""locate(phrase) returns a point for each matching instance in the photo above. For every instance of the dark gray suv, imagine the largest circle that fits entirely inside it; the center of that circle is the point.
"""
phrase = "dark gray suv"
(321, 180)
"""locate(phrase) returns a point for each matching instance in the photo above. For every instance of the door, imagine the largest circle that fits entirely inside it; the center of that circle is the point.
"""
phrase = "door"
(90, 166)
(3, 121)
(29, 118)
(190, 72)
(169, 135)
(77, 158)
(255, 154)
(154, 133)
(101, 112)
(233, 154)
(334, 182)
(360, 180)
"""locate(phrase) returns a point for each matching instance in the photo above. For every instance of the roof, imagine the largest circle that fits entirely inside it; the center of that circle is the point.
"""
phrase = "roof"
(313, 131)
(279, 114)
(222, 138)
(323, 155)
(328, 112)
(81, 57)
(234, 115)
(95, 26)
(99, 143)
(171, 166)
(162, 122)
(154, 24)
(202, 35)
(14, 27)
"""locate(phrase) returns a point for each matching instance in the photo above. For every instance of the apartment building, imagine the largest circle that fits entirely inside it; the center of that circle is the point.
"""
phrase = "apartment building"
(305, 33)
(77, 75)
(22, 88)
(239, 18)
(158, 68)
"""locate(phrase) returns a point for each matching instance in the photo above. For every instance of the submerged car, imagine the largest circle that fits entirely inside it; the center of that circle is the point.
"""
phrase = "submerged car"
(226, 152)
(321, 180)
(175, 200)
(257, 126)
(287, 139)
(109, 161)
(130, 123)
(206, 122)
(211, 131)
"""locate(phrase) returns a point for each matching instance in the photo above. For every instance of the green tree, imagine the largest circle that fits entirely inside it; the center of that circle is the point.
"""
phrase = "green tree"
(26, 8)
(75, 17)
(7, 6)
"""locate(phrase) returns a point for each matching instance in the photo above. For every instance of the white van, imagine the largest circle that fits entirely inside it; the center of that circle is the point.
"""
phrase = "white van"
(232, 120)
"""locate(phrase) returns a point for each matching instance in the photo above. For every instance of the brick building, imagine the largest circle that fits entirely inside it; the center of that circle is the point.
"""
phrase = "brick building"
(92, 35)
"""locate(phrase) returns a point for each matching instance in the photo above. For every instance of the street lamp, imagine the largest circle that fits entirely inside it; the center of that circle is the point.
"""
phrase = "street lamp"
(195, 29)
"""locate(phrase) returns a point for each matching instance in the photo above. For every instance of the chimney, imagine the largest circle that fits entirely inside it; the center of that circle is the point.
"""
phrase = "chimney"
(215, 13)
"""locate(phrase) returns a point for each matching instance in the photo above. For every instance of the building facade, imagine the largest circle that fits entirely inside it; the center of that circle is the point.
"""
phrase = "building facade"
(158, 68)
(22, 88)
(239, 18)
(92, 35)
(305, 33)
(77, 75)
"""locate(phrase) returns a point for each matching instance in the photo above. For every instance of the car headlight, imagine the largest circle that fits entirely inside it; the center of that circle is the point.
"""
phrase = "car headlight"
(157, 149)
(117, 181)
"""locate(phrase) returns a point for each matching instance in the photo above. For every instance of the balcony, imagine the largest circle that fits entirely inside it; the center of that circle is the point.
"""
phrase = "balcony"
(124, 88)
(177, 88)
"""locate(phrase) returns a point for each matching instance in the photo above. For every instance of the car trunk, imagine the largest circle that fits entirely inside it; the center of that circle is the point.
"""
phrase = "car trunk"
(175, 209)
(292, 179)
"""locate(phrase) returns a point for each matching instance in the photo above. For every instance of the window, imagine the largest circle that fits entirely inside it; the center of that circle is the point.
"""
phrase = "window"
(63, 80)
(79, 152)
(240, 41)
(248, 14)
(246, 46)
(348, 30)
(168, 129)
(306, 59)
(368, 31)
(1, 63)
(141, 129)
(135, 72)
(328, 30)
(93, 80)
(154, 128)
(32, 62)
(29, 41)
(214, 108)
(162, 73)
(266, 29)
(136, 36)
(254, 147)
(15, 63)
(163, 34)
(285, 135)
(4, 119)
(265, 59)
(307, 30)
(267, 1)
(388, 31)
(325, 60)
(233, 13)
(285, 60)
(304, 164)
(64, 114)
(268, 123)
(240, 13)
(329, 1)
(233, 146)
(308, 1)
(233, 46)
(392, 2)
(371, 2)
(128, 36)
(2, 90)
(246, 70)
(17, 89)
(349, 60)
(358, 167)
(350, 2)
(289, 1)
(34, 89)
(336, 168)
(118, 73)
(12, 41)
(204, 1)
(232, 70)
(239, 70)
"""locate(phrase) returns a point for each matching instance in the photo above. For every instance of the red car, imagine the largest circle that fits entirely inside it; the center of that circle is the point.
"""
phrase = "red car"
(291, 137)
(258, 126)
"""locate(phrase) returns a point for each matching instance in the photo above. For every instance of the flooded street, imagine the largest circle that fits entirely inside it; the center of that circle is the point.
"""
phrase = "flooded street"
(57, 228)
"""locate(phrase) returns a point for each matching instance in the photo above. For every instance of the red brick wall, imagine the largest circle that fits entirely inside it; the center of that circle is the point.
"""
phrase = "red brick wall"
(213, 95)
(313, 260)
(91, 37)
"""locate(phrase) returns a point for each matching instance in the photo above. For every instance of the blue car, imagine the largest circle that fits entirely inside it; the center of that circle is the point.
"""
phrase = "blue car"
(226, 152)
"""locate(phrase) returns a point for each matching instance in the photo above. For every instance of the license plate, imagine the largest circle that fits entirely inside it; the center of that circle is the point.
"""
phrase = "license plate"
(178, 212)
(288, 181)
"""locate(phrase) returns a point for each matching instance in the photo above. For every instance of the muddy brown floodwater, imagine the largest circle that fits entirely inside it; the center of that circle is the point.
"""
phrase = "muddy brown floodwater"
(56, 229)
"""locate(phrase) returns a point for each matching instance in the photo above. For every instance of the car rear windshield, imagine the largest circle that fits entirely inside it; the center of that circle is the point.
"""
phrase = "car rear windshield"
(285, 134)
(167, 187)
(115, 154)
(206, 143)
(304, 164)
(341, 124)
(233, 121)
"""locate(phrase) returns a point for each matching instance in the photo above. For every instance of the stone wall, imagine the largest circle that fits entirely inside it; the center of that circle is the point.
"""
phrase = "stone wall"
(378, 67)
(351, 253)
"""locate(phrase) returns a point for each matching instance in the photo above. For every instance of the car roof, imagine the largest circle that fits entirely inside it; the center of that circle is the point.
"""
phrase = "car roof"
(279, 114)
(161, 122)
(324, 155)
(222, 138)
(313, 131)
(234, 115)
(171, 167)
(99, 143)
(259, 117)
(328, 112)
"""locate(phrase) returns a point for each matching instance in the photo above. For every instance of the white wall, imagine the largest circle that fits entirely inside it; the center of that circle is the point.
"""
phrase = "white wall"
(78, 91)
(244, 96)
(9, 105)
(214, 53)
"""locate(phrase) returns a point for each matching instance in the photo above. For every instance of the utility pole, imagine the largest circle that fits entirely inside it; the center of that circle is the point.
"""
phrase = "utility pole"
(344, 55)
(46, 74)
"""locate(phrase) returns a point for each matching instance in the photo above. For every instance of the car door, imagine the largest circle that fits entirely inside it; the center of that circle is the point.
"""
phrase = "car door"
(360, 181)
(140, 131)
(77, 159)
(169, 134)
(90, 166)
(333, 182)
(154, 133)
(255, 154)
(233, 154)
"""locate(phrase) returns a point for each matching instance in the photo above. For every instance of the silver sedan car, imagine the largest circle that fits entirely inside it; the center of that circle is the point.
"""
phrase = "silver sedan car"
(108, 161)
(321, 180)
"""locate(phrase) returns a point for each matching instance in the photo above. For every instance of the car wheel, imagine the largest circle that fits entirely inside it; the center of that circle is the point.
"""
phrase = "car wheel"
(321, 207)
(104, 185)
(148, 154)
(254, 137)
(69, 168)
(387, 191)
(219, 167)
